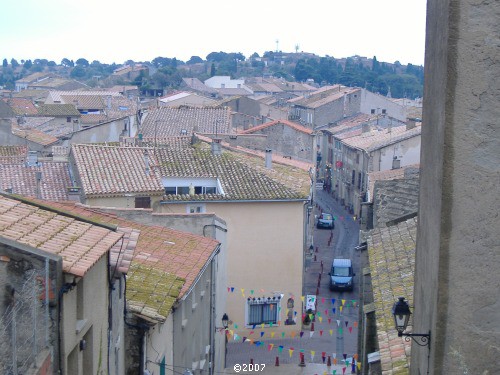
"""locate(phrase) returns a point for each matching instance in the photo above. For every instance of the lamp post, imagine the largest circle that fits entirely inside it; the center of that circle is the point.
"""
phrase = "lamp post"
(401, 312)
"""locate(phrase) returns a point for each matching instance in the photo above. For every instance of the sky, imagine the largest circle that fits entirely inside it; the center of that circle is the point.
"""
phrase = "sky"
(114, 31)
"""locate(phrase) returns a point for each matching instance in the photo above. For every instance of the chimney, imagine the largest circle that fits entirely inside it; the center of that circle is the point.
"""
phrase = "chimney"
(269, 158)
(410, 123)
(396, 163)
(74, 193)
(365, 128)
(216, 146)
(32, 159)
(146, 162)
(38, 175)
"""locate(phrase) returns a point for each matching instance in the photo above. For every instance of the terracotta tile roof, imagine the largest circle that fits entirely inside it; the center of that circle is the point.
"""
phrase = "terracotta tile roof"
(316, 101)
(112, 171)
(350, 123)
(391, 252)
(122, 252)
(390, 174)
(6, 111)
(240, 180)
(55, 96)
(21, 106)
(291, 124)
(94, 119)
(47, 126)
(229, 91)
(79, 243)
(196, 84)
(109, 170)
(165, 264)
(168, 121)
(264, 87)
(55, 110)
(33, 135)
(85, 101)
(13, 154)
(22, 180)
(379, 138)
(394, 199)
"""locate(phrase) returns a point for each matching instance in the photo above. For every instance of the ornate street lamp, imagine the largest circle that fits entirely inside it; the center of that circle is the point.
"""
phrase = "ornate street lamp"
(401, 312)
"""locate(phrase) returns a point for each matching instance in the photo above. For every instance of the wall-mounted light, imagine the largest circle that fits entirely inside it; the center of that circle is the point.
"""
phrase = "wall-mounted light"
(401, 312)
(225, 323)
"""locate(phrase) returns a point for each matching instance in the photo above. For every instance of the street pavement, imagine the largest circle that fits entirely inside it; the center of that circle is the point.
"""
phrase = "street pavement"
(334, 331)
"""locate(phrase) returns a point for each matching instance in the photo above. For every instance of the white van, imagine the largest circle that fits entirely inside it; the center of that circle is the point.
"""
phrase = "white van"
(341, 275)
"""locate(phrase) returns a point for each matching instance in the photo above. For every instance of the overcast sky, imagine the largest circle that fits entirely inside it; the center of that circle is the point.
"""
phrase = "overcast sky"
(119, 30)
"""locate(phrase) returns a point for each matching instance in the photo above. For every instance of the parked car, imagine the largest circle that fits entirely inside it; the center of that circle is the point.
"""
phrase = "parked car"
(325, 220)
(341, 275)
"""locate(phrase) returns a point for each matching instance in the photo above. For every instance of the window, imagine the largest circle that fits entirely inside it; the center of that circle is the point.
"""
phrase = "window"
(142, 202)
(384, 111)
(263, 310)
(200, 186)
(372, 111)
(197, 209)
(353, 176)
(68, 119)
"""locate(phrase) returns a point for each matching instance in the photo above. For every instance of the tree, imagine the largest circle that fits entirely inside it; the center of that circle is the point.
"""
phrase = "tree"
(67, 63)
(78, 72)
(212, 70)
(5, 64)
(82, 62)
(14, 63)
(194, 60)
(27, 64)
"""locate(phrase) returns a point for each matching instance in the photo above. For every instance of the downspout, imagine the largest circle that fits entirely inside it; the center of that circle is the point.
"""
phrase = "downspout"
(212, 318)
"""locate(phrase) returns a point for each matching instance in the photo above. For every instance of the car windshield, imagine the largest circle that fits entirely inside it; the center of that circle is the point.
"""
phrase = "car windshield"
(326, 217)
(340, 271)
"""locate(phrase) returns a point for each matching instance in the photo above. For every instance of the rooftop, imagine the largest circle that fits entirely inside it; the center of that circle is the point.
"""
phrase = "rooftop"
(164, 265)
(79, 243)
(169, 121)
(391, 252)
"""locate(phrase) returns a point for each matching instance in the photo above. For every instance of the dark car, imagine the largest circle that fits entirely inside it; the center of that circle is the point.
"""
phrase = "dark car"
(325, 220)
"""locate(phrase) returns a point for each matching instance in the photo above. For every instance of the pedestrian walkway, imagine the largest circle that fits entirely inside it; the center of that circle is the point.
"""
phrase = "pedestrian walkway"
(333, 333)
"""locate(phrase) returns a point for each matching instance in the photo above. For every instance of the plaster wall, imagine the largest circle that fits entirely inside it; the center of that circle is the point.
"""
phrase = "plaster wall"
(159, 346)
(370, 101)
(92, 312)
(407, 151)
(257, 258)
(457, 284)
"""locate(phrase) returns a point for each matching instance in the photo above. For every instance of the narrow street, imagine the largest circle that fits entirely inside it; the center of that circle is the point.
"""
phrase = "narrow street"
(334, 331)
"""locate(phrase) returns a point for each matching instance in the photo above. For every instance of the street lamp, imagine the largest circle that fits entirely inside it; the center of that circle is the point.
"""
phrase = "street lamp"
(225, 323)
(401, 312)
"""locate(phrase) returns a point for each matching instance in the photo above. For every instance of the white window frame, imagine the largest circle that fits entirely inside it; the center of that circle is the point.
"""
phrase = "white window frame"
(263, 301)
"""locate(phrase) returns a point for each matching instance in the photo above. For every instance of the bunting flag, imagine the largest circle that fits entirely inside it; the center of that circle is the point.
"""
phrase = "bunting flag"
(340, 309)
(329, 320)
(301, 334)
(341, 331)
(355, 323)
(236, 326)
(343, 302)
(338, 323)
(262, 334)
(331, 332)
(228, 289)
(321, 332)
(346, 323)
(334, 355)
(262, 325)
(302, 298)
(257, 343)
(290, 351)
(244, 339)
(345, 356)
(312, 355)
(323, 356)
(251, 291)
(334, 361)
(320, 318)
(323, 300)
(333, 301)
(355, 356)
(283, 334)
(232, 289)
(272, 334)
(326, 312)
(334, 372)
(235, 337)
(358, 364)
(293, 334)
(333, 310)
(350, 329)
(251, 332)
(343, 370)
(243, 292)
(311, 334)
(270, 347)
(280, 348)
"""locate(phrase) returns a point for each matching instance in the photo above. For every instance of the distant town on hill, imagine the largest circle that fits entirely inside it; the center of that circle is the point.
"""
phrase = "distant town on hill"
(166, 74)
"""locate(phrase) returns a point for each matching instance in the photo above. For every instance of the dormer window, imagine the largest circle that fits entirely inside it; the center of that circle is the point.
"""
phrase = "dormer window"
(191, 186)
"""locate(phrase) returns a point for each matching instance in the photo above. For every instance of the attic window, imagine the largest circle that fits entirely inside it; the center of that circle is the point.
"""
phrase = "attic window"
(184, 132)
(195, 186)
